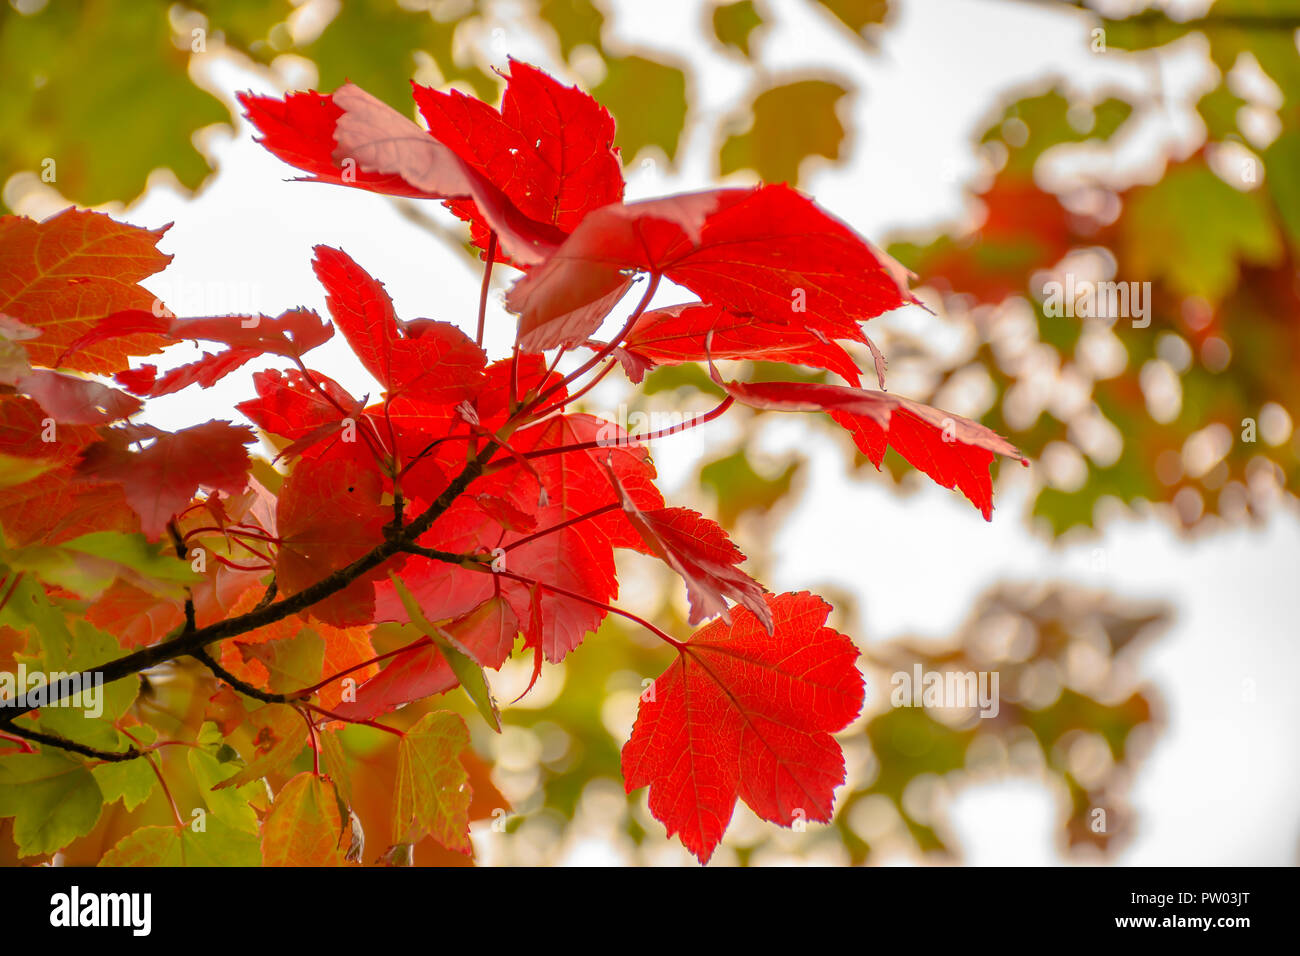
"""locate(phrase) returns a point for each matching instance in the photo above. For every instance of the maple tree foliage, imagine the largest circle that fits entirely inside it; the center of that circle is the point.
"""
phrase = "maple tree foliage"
(747, 710)
(399, 546)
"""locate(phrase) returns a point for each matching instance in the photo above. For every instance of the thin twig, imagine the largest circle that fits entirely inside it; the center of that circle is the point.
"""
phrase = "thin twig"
(483, 291)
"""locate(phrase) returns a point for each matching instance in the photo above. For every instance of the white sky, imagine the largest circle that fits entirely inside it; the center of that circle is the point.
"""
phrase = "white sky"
(1222, 782)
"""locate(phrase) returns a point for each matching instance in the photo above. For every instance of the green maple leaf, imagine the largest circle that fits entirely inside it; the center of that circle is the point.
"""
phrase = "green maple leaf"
(52, 798)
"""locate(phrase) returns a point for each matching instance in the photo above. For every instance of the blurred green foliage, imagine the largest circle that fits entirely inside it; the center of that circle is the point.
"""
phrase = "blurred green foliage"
(787, 124)
(858, 15)
(146, 51)
(1065, 713)
(89, 132)
(733, 23)
(1192, 413)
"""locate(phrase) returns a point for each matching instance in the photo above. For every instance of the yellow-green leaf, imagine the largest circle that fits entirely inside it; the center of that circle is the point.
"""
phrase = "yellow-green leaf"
(1192, 230)
(131, 781)
(215, 845)
(649, 99)
(304, 827)
(857, 15)
(15, 470)
(279, 734)
(467, 670)
(733, 23)
(433, 794)
(787, 124)
(53, 800)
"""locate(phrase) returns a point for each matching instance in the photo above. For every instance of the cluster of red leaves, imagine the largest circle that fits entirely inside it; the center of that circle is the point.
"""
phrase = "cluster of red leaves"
(527, 550)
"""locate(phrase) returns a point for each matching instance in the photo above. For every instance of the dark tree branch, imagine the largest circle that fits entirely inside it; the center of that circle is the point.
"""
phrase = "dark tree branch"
(187, 641)
(470, 561)
(63, 743)
(245, 688)
(268, 597)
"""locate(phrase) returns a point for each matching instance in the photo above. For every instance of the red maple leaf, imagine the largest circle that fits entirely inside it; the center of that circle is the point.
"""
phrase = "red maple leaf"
(372, 136)
(955, 451)
(60, 503)
(77, 401)
(64, 274)
(292, 333)
(694, 331)
(329, 515)
(700, 551)
(527, 173)
(487, 633)
(161, 479)
(135, 617)
(434, 361)
(288, 405)
(549, 148)
(749, 714)
(564, 555)
(204, 372)
(299, 129)
(769, 252)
